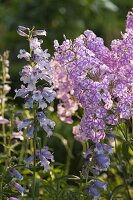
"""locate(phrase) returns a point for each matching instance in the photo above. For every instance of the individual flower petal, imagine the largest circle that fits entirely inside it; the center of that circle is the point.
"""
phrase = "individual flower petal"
(18, 187)
(3, 120)
(23, 124)
(18, 135)
(16, 173)
(24, 54)
(100, 185)
(13, 198)
(39, 32)
(29, 160)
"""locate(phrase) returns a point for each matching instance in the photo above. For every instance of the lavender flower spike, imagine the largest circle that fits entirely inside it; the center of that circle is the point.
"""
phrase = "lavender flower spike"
(37, 70)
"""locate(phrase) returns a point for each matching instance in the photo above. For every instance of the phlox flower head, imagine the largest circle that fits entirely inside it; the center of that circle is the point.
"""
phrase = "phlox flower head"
(64, 92)
(101, 79)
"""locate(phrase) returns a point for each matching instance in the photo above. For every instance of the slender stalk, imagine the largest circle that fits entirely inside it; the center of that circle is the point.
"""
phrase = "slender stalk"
(1, 183)
(4, 65)
(34, 146)
(125, 137)
(11, 132)
(68, 161)
(22, 152)
(3, 125)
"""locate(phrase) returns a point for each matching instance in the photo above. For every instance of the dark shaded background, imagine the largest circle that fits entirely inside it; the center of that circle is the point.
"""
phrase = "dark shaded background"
(70, 17)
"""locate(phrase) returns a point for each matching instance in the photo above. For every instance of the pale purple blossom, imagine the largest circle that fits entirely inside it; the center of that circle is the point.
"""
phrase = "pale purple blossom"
(102, 162)
(64, 92)
(3, 120)
(18, 135)
(103, 148)
(24, 54)
(13, 198)
(23, 124)
(18, 187)
(35, 43)
(30, 131)
(46, 123)
(129, 22)
(39, 69)
(29, 160)
(39, 32)
(93, 188)
(44, 156)
(23, 31)
(16, 173)
(100, 78)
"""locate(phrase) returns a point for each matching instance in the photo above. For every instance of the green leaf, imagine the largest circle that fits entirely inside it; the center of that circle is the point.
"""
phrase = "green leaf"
(125, 151)
(115, 190)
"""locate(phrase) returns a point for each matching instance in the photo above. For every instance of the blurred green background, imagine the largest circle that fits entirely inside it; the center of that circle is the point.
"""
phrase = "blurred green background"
(58, 17)
(70, 17)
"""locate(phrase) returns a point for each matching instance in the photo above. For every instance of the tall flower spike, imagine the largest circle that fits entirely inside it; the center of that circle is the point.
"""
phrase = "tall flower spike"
(38, 69)
(37, 92)
(96, 160)
(4, 78)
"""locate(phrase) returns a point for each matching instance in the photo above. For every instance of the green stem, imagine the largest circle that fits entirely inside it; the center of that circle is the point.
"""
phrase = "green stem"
(1, 185)
(23, 150)
(3, 125)
(3, 58)
(11, 132)
(34, 146)
(125, 137)
(68, 161)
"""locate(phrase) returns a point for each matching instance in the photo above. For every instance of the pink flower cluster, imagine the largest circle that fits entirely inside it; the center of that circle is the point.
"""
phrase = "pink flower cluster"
(101, 79)
(64, 92)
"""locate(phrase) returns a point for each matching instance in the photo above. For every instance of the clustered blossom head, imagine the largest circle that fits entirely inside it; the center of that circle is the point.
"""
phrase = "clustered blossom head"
(98, 157)
(101, 79)
(64, 92)
(32, 91)
(96, 160)
(94, 187)
(44, 157)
